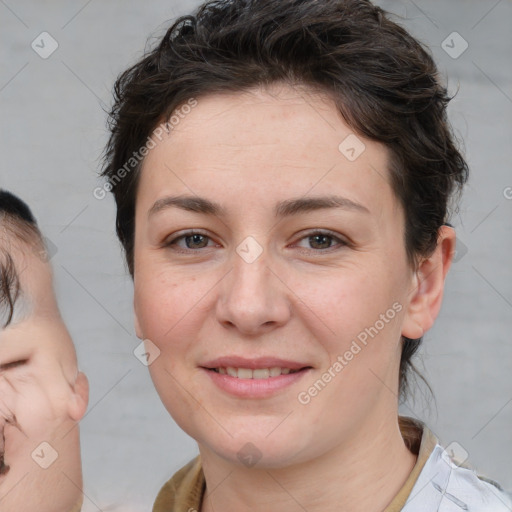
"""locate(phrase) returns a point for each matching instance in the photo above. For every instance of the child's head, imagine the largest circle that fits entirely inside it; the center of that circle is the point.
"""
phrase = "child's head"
(42, 393)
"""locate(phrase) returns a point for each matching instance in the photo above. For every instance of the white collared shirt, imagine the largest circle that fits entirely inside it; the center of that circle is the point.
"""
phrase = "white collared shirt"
(444, 486)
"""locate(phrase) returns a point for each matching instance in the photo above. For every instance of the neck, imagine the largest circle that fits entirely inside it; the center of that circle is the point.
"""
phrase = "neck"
(375, 458)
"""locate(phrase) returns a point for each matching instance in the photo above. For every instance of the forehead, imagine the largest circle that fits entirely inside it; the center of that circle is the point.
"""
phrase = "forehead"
(21, 310)
(262, 143)
(36, 324)
(26, 278)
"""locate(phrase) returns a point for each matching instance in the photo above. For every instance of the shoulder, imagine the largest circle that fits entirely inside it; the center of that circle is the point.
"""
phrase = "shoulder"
(183, 491)
(445, 486)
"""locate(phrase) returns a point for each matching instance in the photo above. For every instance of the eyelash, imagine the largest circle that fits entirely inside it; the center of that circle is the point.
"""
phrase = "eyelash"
(320, 232)
(13, 364)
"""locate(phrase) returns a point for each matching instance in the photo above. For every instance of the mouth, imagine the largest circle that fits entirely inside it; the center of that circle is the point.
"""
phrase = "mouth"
(6, 418)
(257, 373)
(256, 378)
(4, 468)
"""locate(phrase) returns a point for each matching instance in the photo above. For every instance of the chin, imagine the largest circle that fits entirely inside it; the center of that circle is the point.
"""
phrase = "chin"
(254, 449)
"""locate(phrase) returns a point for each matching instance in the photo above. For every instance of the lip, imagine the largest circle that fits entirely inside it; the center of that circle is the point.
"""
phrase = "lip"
(254, 388)
(254, 363)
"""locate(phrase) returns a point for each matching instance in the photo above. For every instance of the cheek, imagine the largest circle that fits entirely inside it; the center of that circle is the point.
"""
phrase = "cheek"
(348, 300)
(42, 406)
(354, 314)
(34, 423)
(166, 303)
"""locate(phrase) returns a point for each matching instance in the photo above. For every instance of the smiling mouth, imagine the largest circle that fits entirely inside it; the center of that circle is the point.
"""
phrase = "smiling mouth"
(4, 468)
(11, 419)
(259, 373)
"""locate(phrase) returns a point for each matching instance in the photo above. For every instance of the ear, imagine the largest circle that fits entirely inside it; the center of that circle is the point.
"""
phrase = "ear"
(427, 286)
(138, 330)
(80, 397)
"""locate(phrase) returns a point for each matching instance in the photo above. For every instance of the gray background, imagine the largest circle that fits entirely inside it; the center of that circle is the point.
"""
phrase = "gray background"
(53, 131)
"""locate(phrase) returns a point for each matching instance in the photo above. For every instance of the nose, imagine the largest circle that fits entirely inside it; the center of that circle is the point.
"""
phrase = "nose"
(253, 298)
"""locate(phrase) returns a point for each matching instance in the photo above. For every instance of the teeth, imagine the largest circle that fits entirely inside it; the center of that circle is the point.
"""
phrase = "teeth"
(233, 372)
(260, 373)
(275, 371)
(244, 373)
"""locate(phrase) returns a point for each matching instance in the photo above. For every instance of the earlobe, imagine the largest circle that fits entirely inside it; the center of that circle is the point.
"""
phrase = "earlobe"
(427, 286)
(138, 330)
(80, 398)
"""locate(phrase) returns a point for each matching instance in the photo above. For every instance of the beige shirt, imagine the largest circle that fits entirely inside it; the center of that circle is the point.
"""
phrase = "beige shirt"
(185, 490)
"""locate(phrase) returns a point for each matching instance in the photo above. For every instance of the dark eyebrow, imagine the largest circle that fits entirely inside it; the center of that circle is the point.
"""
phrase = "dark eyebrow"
(190, 203)
(283, 209)
(307, 204)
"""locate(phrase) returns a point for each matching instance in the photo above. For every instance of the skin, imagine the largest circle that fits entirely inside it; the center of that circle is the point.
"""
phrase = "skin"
(42, 388)
(299, 300)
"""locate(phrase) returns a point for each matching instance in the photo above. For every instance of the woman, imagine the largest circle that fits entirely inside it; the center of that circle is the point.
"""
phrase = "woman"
(282, 173)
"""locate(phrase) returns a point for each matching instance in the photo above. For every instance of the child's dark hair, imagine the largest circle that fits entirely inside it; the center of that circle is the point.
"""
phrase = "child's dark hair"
(383, 81)
(16, 222)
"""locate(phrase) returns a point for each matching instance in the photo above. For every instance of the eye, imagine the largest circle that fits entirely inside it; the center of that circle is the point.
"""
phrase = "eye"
(321, 240)
(193, 240)
(12, 364)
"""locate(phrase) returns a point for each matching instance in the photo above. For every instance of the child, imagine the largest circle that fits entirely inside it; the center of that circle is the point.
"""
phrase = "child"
(43, 396)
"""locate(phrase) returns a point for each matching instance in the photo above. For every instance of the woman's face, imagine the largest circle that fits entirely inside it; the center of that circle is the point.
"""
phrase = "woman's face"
(320, 285)
(41, 401)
